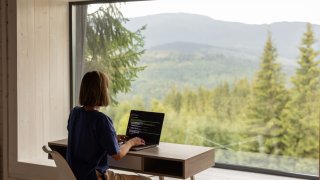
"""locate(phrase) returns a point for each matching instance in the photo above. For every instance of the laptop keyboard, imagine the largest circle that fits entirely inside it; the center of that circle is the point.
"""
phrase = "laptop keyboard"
(140, 147)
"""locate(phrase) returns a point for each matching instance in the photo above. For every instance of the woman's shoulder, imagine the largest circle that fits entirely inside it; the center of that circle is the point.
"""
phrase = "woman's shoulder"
(76, 109)
(104, 117)
(103, 120)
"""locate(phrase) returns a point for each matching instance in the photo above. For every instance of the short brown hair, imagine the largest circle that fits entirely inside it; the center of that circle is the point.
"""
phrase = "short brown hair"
(94, 89)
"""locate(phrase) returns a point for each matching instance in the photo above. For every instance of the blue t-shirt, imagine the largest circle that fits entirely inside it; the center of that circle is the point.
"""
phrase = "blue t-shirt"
(91, 138)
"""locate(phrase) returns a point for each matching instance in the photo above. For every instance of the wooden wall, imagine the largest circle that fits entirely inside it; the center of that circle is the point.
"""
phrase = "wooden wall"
(42, 74)
(34, 84)
(3, 70)
(1, 90)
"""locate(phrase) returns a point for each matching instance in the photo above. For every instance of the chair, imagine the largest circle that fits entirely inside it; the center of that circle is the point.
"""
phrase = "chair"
(64, 170)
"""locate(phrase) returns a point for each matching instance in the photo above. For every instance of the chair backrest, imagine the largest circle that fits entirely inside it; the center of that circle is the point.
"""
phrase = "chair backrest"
(64, 170)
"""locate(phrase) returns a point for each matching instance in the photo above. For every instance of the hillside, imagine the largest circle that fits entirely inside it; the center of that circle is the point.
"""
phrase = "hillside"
(181, 27)
(192, 65)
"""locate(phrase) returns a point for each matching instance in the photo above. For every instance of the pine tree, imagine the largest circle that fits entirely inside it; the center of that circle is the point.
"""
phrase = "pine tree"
(112, 48)
(239, 100)
(174, 99)
(221, 101)
(302, 111)
(189, 97)
(266, 104)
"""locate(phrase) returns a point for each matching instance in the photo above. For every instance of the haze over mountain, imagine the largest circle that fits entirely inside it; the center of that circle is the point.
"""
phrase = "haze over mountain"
(192, 51)
(182, 27)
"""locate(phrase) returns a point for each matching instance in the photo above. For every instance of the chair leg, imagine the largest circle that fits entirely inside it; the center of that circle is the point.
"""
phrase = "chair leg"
(192, 178)
(161, 178)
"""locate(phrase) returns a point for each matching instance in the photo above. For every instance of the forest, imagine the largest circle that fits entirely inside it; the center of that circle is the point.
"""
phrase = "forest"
(267, 120)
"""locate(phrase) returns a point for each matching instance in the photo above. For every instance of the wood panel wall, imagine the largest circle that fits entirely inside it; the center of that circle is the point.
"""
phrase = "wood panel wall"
(1, 88)
(42, 74)
(34, 84)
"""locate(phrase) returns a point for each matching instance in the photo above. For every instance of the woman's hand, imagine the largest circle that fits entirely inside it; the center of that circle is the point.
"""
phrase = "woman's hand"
(126, 147)
(136, 141)
(122, 138)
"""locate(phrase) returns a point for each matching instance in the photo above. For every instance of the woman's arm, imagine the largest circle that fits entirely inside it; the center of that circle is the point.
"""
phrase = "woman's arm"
(126, 147)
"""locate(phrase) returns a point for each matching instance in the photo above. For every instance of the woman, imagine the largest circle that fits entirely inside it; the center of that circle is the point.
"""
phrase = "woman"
(91, 135)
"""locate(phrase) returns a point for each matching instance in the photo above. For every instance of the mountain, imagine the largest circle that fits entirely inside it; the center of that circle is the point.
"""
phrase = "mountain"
(192, 65)
(181, 27)
(191, 51)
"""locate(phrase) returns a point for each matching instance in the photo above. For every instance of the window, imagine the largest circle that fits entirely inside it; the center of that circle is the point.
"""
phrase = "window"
(227, 74)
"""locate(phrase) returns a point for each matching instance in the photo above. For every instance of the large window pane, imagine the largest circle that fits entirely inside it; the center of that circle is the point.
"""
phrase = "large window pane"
(249, 88)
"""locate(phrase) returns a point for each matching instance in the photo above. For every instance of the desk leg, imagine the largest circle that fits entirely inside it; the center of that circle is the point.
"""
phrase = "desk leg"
(161, 178)
(192, 178)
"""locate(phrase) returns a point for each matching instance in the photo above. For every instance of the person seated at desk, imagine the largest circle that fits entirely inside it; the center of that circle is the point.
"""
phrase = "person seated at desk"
(91, 135)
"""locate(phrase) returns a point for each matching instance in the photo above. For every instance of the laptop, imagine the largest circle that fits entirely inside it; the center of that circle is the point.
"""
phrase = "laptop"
(146, 125)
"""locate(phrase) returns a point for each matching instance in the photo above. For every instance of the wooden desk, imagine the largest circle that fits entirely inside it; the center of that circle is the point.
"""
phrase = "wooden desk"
(169, 160)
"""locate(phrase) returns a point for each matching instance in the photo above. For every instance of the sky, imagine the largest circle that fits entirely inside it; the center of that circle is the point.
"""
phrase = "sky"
(244, 11)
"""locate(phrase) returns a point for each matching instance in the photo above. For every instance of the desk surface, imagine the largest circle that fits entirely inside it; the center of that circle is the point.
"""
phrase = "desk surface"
(167, 159)
(180, 152)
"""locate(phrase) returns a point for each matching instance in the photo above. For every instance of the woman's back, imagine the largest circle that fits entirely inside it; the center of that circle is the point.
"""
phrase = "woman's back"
(91, 137)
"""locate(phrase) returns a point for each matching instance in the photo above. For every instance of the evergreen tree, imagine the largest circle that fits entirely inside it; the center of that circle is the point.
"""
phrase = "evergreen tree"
(302, 111)
(267, 102)
(221, 102)
(202, 103)
(239, 96)
(113, 49)
(188, 99)
(173, 99)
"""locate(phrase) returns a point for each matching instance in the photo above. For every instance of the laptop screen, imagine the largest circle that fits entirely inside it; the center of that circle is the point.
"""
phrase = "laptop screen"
(146, 125)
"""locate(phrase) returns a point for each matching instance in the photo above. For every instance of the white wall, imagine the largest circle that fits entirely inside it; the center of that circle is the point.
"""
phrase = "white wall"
(43, 74)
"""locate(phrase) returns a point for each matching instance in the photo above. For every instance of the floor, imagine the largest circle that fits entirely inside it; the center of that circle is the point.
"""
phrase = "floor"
(224, 174)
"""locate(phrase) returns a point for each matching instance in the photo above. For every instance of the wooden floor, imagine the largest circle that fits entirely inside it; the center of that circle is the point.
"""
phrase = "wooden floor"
(224, 174)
